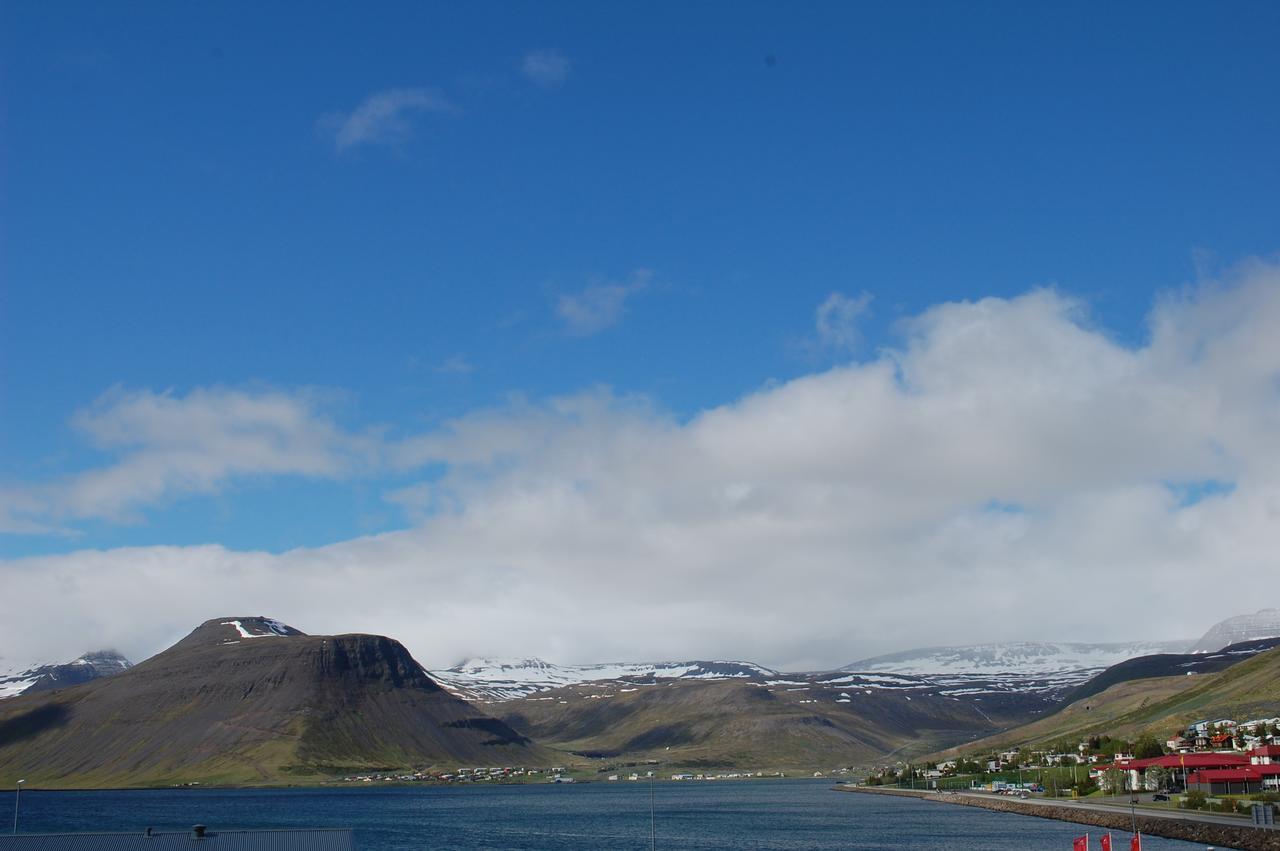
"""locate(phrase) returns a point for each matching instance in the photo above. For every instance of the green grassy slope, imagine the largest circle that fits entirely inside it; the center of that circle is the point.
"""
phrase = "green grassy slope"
(1158, 706)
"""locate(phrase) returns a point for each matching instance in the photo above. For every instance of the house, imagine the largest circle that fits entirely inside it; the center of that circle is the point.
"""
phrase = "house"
(1265, 755)
(208, 840)
(1180, 766)
(1178, 743)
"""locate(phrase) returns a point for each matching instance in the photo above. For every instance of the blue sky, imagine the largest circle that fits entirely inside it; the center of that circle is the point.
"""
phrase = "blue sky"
(408, 216)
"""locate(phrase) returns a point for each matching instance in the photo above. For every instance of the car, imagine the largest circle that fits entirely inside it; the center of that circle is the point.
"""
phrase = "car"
(1159, 796)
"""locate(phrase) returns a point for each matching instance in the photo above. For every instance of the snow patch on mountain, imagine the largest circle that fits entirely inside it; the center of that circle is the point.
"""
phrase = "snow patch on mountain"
(506, 679)
(270, 628)
(18, 677)
(1261, 624)
(1032, 667)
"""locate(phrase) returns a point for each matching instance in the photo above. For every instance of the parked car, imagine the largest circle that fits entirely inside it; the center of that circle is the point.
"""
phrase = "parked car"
(1159, 796)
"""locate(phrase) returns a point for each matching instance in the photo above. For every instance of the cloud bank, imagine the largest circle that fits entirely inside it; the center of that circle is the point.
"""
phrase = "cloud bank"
(164, 447)
(1009, 471)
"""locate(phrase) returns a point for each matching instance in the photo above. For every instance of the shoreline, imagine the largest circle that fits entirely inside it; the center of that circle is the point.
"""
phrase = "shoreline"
(1245, 836)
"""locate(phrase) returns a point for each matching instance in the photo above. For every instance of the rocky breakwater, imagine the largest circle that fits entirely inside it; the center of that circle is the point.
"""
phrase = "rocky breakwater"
(1243, 836)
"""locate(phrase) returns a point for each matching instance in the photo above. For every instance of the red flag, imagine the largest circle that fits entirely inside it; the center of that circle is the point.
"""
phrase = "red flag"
(1135, 844)
(1080, 843)
(1106, 842)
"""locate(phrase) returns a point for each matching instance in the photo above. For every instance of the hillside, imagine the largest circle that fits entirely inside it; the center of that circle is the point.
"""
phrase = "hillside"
(249, 700)
(1156, 705)
(1171, 665)
(751, 724)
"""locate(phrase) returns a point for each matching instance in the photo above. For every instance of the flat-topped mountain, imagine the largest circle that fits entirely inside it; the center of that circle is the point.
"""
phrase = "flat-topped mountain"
(249, 699)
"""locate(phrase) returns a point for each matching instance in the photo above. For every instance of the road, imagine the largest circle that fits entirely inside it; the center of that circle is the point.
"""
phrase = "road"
(1123, 809)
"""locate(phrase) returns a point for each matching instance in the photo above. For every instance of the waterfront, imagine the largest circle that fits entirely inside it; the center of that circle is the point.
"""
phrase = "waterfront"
(764, 814)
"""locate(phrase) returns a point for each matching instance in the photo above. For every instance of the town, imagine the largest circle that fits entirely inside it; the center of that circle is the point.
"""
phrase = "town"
(1236, 762)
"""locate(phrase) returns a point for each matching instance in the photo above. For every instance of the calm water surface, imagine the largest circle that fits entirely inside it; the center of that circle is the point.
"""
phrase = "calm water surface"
(781, 814)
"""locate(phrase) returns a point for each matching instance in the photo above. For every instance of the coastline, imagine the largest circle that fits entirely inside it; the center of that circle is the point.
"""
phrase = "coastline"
(1245, 837)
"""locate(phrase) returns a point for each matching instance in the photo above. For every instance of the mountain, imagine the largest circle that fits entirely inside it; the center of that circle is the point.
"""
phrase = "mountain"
(1245, 691)
(21, 679)
(490, 680)
(1026, 666)
(251, 700)
(1261, 624)
(1172, 665)
(793, 721)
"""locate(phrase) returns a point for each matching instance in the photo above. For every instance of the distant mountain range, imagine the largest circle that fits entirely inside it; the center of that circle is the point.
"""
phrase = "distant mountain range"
(1037, 666)
(1261, 624)
(252, 700)
(1033, 668)
(16, 679)
(505, 679)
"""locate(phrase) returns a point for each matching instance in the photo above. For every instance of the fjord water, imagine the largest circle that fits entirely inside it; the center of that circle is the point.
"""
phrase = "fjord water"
(768, 814)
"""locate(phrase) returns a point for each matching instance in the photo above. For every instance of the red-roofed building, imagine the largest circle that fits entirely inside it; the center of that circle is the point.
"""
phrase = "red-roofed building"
(1180, 765)
(1235, 781)
(1265, 755)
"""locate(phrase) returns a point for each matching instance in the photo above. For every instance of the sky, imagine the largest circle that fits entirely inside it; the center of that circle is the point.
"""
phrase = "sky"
(597, 332)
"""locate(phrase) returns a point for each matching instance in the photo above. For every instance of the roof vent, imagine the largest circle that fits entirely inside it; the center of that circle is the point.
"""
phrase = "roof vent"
(197, 831)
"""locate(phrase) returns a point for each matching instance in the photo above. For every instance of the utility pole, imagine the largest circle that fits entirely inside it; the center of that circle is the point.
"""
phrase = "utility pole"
(17, 794)
(653, 830)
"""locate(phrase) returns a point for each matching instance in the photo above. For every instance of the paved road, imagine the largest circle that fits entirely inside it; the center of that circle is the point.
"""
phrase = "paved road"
(1123, 808)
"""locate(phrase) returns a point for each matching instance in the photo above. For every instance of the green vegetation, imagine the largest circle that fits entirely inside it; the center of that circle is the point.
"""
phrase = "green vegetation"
(1144, 711)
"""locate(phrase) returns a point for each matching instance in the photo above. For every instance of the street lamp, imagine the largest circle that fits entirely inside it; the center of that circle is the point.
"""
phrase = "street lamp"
(17, 792)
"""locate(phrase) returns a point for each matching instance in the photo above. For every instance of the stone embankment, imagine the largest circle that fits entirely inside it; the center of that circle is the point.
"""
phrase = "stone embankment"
(1244, 836)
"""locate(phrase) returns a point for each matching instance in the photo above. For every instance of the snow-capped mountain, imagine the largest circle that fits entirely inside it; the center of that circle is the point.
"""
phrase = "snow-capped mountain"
(1044, 669)
(505, 679)
(1261, 624)
(19, 678)
(1022, 665)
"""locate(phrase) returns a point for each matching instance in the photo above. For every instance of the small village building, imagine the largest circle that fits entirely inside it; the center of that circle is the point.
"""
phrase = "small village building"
(1265, 755)
(1247, 780)
(1180, 766)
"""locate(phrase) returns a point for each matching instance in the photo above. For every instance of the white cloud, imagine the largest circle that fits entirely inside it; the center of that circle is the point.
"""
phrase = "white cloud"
(455, 365)
(598, 306)
(836, 319)
(167, 446)
(547, 68)
(381, 118)
(1009, 471)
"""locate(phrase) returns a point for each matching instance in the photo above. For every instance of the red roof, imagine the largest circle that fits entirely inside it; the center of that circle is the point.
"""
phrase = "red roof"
(1223, 775)
(1266, 750)
(1191, 760)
